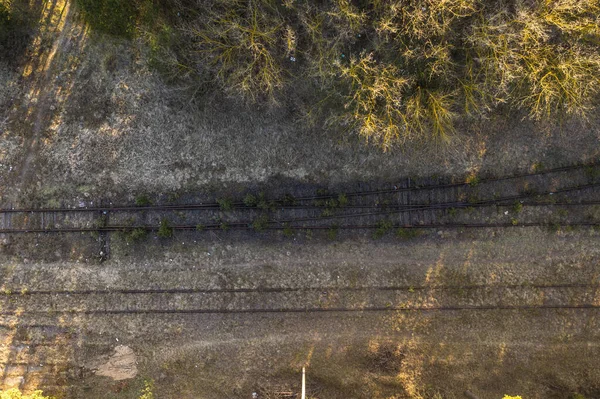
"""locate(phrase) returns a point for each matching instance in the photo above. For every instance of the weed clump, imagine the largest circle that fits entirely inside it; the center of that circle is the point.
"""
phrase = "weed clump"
(288, 231)
(406, 233)
(225, 204)
(517, 207)
(250, 200)
(142, 200)
(332, 232)
(135, 235)
(342, 200)
(261, 223)
(165, 230)
(383, 228)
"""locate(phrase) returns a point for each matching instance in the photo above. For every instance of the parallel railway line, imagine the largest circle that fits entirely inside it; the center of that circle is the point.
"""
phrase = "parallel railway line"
(301, 299)
(409, 204)
(405, 206)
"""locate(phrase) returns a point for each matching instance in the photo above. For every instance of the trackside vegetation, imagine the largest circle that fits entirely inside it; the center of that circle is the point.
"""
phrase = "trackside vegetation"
(390, 71)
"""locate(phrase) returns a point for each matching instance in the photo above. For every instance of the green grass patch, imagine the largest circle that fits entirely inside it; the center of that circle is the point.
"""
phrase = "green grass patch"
(114, 17)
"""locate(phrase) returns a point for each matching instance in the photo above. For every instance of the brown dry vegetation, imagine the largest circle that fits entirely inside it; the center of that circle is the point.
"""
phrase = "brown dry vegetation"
(392, 71)
(405, 70)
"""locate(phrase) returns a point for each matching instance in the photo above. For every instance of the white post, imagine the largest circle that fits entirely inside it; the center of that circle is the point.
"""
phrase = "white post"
(303, 383)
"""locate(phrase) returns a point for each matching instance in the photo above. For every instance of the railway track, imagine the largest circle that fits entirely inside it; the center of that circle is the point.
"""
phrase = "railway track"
(566, 196)
(294, 300)
(47, 350)
(570, 193)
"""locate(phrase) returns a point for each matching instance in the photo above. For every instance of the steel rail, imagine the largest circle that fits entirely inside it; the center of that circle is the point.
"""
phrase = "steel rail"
(245, 226)
(303, 310)
(443, 205)
(18, 293)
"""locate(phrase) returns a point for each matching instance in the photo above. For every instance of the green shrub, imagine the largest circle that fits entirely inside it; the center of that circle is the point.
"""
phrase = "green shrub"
(264, 204)
(288, 231)
(243, 41)
(165, 230)
(15, 29)
(225, 204)
(288, 200)
(261, 223)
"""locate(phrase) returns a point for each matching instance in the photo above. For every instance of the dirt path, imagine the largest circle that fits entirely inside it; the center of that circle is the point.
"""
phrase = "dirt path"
(57, 15)
(40, 74)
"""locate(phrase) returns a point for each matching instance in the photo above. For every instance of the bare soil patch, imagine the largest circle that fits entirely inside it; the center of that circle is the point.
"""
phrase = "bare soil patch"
(120, 366)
